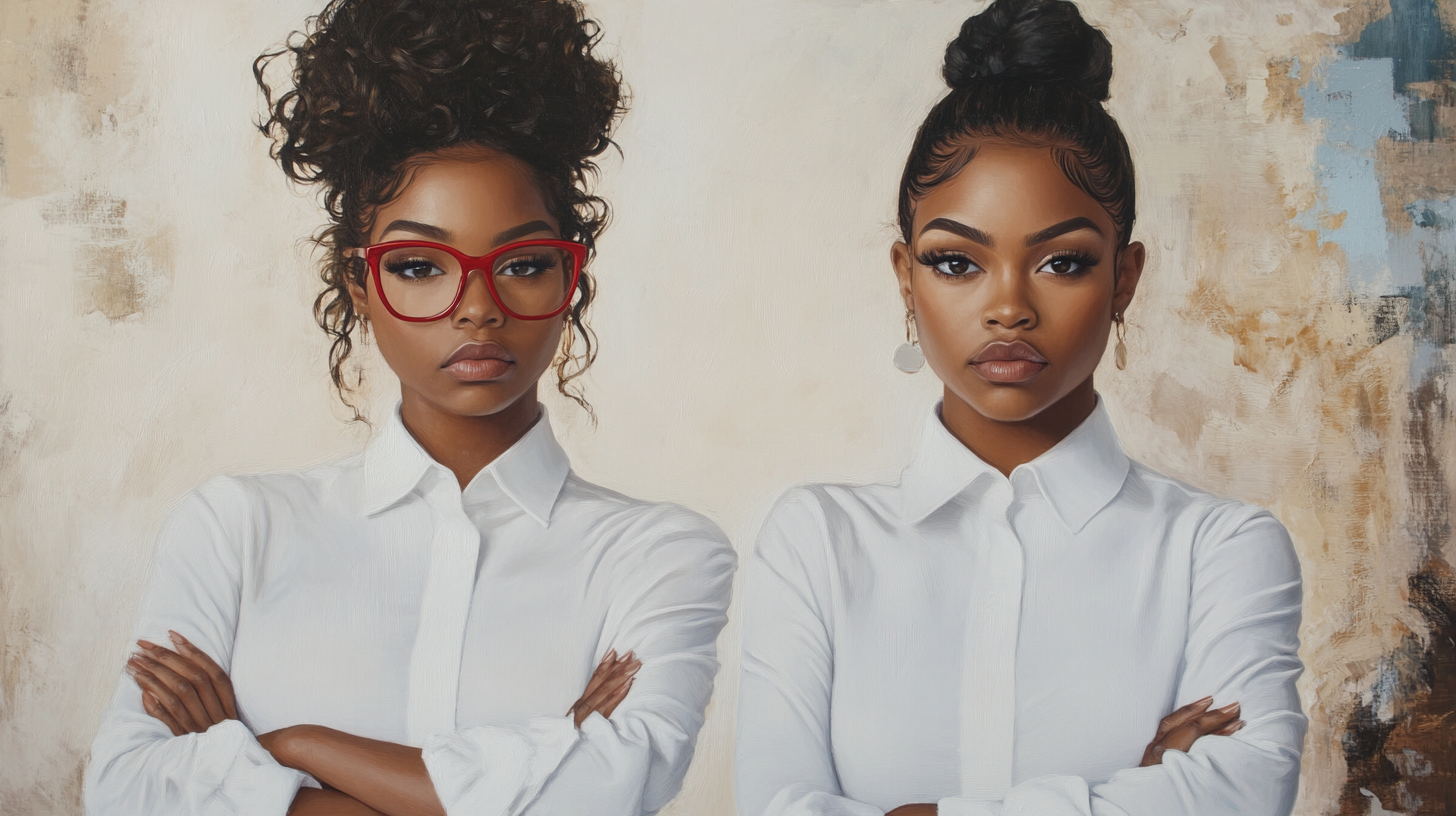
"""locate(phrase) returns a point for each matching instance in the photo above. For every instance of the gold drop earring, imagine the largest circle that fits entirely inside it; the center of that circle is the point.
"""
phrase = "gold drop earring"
(1119, 353)
(908, 357)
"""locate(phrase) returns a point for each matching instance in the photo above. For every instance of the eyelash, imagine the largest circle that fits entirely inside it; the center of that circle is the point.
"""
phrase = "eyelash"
(1083, 260)
(933, 260)
(1078, 257)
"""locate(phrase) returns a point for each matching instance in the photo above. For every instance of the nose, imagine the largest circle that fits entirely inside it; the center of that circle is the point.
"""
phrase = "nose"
(1008, 304)
(477, 307)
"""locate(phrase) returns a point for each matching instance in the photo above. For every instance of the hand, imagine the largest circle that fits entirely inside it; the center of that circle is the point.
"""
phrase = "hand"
(184, 689)
(1183, 727)
(608, 686)
(914, 810)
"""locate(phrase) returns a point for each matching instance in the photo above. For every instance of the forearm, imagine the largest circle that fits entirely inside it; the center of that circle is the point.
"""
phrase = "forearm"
(387, 777)
(314, 802)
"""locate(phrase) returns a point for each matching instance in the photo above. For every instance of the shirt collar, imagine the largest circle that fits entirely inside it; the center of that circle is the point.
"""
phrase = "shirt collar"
(1078, 476)
(531, 472)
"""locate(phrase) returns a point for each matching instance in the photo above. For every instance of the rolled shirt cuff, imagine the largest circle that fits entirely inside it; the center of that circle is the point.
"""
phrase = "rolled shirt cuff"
(497, 770)
(236, 772)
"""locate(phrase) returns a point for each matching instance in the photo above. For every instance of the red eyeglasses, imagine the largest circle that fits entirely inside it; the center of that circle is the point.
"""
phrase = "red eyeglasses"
(420, 281)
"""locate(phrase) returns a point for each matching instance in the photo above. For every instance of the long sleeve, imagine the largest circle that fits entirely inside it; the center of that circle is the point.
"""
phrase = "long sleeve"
(670, 603)
(1242, 646)
(784, 760)
(136, 765)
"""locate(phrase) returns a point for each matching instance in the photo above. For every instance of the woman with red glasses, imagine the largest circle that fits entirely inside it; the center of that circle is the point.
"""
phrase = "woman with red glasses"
(1028, 622)
(452, 621)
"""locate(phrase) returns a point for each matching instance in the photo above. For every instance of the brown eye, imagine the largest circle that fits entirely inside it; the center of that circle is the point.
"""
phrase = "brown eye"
(1068, 266)
(951, 266)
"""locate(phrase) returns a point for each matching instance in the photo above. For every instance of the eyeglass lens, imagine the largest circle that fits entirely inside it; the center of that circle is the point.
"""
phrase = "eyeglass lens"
(422, 281)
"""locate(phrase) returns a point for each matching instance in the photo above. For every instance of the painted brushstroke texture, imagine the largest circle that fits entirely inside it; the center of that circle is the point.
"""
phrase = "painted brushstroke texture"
(1291, 344)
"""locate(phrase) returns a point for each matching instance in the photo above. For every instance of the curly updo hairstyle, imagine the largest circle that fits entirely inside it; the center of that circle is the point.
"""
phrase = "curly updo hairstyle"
(376, 83)
(1030, 73)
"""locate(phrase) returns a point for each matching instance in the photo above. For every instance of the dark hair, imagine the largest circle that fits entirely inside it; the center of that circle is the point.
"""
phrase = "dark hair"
(376, 83)
(1026, 72)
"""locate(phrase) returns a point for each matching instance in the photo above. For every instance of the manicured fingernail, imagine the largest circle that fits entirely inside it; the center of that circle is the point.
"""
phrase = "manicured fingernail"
(1240, 726)
(1230, 708)
(176, 638)
(146, 645)
(1205, 701)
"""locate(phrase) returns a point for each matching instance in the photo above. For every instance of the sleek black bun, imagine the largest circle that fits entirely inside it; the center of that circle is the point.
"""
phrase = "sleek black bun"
(1030, 73)
(1032, 41)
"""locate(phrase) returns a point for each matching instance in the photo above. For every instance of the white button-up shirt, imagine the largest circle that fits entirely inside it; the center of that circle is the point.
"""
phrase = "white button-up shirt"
(375, 597)
(1000, 645)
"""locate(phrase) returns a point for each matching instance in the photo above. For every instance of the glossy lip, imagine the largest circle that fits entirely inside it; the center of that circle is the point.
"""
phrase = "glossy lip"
(1007, 363)
(477, 362)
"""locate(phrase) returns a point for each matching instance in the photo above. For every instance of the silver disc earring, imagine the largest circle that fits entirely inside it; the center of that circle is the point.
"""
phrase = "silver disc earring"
(908, 357)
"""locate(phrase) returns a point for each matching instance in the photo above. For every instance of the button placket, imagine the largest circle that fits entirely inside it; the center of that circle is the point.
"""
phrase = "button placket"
(444, 611)
(988, 672)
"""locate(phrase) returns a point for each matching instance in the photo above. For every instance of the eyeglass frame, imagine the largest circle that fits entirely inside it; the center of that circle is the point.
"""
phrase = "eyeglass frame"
(468, 264)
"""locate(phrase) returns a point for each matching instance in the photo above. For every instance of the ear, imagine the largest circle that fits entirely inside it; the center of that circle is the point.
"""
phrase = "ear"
(1129, 271)
(900, 259)
(360, 296)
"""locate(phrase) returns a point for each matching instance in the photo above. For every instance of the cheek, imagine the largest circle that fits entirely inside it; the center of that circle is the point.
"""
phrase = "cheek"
(1079, 319)
(946, 323)
(407, 347)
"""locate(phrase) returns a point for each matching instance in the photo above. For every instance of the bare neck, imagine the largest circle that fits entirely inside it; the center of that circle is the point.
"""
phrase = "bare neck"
(1005, 445)
(467, 444)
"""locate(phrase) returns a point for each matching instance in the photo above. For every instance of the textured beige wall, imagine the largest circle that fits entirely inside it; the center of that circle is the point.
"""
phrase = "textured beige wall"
(156, 282)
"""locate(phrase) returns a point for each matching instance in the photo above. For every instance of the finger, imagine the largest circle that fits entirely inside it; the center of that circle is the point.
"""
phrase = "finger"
(154, 708)
(623, 675)
(1218, 718)
(166, 698)
(1228, 730)
(222, 684)
(180, 686)
(611, 703)
(611, 665)
(195, 675)
(1183, 737)
(1181, 716)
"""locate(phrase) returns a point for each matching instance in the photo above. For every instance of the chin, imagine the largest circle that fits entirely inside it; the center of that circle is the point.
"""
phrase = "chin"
(1004, 403)
(479, 399)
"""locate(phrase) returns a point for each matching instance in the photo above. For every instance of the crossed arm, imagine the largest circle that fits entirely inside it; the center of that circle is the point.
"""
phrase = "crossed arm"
(1177, 731)
(189, 692)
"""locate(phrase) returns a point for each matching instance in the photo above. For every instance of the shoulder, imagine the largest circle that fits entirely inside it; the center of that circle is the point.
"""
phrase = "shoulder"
(236, 504)
(640, 527)
(1217, 523)
(824, 516)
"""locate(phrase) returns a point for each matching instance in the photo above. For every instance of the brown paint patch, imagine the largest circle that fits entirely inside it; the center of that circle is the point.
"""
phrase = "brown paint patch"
(1360, 14)
(1181, 409)
(108, 258)
(1228, 56)
(1410, 171)
(1284, 99)
(52, 48)
(1404, 755)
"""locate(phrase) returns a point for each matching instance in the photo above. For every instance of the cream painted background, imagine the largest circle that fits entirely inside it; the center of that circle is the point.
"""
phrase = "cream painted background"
(156, 282)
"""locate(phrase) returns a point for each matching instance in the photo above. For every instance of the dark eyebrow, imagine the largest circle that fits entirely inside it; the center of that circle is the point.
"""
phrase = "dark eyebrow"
(443, 235)
(1070, 225)
(969, 233)
(507, 236)
(427, 230)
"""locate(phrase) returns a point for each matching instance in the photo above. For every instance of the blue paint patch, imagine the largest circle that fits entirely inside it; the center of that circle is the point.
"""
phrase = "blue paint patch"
(1356, 102)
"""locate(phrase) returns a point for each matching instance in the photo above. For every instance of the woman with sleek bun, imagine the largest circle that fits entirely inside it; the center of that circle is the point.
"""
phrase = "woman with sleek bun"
(1027, 622)
(451, 621)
